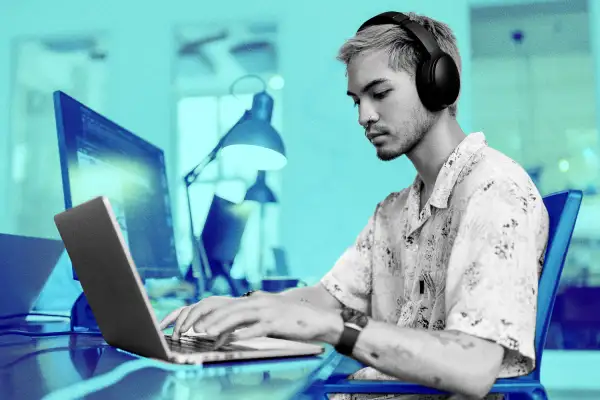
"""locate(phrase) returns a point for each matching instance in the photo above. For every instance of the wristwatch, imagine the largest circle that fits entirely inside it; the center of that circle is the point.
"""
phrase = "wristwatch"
(354, 323)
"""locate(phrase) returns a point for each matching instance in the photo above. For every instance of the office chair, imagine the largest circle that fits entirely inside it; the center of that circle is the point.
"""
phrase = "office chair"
(563, 208)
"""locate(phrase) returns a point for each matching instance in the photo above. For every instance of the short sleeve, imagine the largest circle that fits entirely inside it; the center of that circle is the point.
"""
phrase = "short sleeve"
(492, 278)
(350, 279)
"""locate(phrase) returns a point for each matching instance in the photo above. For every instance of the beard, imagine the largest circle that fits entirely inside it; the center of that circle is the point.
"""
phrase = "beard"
(405, 138)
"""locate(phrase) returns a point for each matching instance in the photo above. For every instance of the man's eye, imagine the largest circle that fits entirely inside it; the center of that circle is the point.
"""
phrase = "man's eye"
(380, 95)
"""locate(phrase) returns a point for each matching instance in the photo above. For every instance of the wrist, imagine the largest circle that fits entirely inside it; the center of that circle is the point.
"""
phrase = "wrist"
(353, 324)
(335, 327)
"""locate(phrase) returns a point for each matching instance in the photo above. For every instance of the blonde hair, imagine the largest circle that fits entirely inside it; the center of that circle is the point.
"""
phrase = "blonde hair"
(401, 46)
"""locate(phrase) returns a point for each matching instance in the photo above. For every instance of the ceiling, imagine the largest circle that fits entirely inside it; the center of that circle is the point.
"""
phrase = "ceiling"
(206, 59)
(209, 58)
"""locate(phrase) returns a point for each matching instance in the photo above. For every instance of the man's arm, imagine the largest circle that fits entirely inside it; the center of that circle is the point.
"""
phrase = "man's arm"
(316, 296)
(446, 360)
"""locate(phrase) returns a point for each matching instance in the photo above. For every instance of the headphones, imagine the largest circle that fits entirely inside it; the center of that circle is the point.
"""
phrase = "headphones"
(437, 77)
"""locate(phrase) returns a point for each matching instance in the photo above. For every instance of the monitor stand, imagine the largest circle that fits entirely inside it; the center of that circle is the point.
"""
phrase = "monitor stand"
(82, 317)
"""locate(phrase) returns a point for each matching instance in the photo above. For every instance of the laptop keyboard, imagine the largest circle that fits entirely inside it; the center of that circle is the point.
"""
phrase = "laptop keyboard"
(195, 344)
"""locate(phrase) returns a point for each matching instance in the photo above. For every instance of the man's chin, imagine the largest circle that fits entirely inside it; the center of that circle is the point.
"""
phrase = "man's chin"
(384, 155)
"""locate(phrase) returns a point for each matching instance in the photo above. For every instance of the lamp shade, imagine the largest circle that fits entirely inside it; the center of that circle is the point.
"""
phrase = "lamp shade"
(254, 140)
(260, 192)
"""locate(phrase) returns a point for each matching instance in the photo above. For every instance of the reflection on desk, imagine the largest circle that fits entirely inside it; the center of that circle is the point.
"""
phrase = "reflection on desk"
(74, 365)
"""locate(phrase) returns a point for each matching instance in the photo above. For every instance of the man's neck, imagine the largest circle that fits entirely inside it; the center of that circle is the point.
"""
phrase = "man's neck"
(431, 153)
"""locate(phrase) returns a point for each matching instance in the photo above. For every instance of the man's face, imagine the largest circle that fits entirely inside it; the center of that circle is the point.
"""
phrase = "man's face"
(389, 98)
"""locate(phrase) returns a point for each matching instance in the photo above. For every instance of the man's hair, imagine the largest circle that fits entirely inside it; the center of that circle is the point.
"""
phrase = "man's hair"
(401, 46)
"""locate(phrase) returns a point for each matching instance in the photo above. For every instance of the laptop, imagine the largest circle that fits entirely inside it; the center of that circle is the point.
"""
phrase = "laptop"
(115, 293)
(25, 264)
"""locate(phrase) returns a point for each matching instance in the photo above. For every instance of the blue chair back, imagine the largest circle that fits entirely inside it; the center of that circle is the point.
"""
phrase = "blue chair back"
(563, 208)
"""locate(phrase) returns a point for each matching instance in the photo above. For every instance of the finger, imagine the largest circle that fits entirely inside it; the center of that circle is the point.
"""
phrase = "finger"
(225, 337)
(231, 321)
(259, 329)
(170, 318)
(198, 311)
(182, 315)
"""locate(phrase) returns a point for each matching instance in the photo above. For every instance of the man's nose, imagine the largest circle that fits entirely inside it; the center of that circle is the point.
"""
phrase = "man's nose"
(365, 116)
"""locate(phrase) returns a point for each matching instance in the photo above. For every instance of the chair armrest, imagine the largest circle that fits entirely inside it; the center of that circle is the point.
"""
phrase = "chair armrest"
(365, 386)
(503, 385)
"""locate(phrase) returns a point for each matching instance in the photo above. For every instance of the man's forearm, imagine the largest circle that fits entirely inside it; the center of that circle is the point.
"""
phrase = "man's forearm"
(447, 360)
(316, 296)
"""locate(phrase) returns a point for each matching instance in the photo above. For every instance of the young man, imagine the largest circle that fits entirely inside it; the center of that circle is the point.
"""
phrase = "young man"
(442, 281)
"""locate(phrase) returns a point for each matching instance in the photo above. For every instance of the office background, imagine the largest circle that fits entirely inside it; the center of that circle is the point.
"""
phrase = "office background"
(531, 83)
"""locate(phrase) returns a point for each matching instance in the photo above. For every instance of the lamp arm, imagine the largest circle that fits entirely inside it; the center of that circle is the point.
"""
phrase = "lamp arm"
(191, 176)
(200, 260)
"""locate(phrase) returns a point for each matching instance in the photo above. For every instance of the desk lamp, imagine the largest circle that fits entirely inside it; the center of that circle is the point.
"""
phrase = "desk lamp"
(251, 139)
(262, 194)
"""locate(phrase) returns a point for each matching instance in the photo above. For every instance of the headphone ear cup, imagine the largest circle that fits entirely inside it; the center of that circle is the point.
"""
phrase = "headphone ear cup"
(425, 86)
(447, 80)
(438, 82)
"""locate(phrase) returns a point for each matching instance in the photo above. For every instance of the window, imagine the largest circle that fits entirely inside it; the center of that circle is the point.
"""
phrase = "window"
(75, 65)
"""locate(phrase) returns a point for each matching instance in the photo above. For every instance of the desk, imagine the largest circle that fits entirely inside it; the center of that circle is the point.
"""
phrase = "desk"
(31, 368)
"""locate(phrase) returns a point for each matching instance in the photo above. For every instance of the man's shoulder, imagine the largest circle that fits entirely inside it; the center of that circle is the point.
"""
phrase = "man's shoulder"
(498, 182)
(493, 171)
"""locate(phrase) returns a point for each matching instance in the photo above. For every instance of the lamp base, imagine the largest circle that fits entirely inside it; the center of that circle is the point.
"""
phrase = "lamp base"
(82, 317)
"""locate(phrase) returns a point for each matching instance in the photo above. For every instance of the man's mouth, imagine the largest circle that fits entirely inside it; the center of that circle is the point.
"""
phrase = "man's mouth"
(373, 135)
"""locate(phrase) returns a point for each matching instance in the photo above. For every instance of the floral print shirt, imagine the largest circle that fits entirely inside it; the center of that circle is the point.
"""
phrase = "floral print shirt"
(468, 261)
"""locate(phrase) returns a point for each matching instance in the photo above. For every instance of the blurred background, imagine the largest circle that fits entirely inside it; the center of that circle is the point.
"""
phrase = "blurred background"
(181, 75)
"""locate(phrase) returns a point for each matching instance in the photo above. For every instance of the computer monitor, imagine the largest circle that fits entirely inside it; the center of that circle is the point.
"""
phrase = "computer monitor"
(224, 228)
(100, 158)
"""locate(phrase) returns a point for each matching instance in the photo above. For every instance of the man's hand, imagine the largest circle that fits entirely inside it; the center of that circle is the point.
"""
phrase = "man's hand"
(184, 317)
(261, 316)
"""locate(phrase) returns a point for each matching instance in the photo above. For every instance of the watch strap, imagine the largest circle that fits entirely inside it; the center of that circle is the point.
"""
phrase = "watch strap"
(354, 322)
(348, 339)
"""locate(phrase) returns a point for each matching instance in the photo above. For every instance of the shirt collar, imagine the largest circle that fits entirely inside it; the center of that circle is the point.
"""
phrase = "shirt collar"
(450, 171)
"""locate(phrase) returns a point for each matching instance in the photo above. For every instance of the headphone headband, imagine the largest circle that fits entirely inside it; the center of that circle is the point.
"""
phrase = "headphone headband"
(416, 29)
